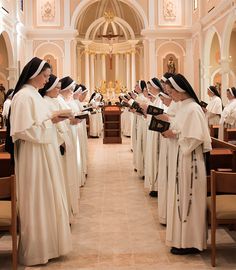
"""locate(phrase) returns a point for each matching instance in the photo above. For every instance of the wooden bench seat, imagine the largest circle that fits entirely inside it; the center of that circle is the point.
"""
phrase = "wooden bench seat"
(5, 165)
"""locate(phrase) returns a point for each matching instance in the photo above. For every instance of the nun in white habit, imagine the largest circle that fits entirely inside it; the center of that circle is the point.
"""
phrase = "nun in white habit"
(80, 92)
(126, 120)
(141, 130)
(95, 119)
(44, 221)
(166, 166)
(152, 141)
(228, 116)
(71, 158)
(186, 210)
(214, 107)
(50, 93)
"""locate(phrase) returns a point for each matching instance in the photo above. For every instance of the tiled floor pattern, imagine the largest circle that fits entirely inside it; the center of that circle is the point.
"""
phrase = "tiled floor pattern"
(117, 227)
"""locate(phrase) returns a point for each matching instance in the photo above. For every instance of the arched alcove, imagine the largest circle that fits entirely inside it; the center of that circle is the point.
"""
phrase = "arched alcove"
(166, 50)
(6, 60)
(51, 52)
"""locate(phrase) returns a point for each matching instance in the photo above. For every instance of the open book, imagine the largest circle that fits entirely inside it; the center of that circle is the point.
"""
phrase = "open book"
(63, 113)
(158, 125)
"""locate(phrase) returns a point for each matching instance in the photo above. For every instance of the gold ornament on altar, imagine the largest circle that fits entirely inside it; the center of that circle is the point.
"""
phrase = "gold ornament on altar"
(103, 87)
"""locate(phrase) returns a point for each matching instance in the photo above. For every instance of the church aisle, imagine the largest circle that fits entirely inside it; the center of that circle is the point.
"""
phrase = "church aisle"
(117, 227)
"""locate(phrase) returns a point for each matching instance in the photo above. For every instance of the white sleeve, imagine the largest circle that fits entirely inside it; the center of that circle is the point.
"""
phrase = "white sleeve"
(187, 145)
(41, 134)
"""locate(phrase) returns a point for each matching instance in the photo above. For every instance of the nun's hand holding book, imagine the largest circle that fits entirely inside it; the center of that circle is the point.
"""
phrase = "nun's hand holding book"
(169, 134)
(144, 107)
(61, 115)
(163, 117)
(75, 121)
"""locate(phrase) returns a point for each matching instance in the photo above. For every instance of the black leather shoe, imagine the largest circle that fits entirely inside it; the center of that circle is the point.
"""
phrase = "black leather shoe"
(153, 194)
(184, 251)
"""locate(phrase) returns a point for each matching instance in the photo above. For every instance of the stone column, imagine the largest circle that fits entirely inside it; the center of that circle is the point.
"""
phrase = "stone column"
(78, 65)
(225, 70)
(152, 58)
(12, 71)
(117, 75)
(67, 59)
(87, 75)
(188, 62)
(103, 67)
(128, 71)
(152, 9)
(92, 78)
(133, 68)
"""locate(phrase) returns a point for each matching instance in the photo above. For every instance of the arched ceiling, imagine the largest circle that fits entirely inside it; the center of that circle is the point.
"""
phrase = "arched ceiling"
(125, 23)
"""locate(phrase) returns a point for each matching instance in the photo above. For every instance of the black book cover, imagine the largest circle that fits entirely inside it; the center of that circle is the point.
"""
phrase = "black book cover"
(81, 116)
(124, 104)
(158, 125)
(135, 105)
(203, 104)
(154, 110)
(140, 110)
(89, 109)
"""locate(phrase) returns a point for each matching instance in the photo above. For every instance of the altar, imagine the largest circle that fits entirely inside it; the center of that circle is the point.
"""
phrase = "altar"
(111, 91)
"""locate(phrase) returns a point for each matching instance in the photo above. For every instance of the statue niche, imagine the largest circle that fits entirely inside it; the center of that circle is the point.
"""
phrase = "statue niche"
(170, 64)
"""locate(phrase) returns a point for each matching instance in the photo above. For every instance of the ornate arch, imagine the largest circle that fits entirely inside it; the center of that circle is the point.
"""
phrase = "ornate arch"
(170, 42)
(207, 44)
(84, 4)
(8, 42)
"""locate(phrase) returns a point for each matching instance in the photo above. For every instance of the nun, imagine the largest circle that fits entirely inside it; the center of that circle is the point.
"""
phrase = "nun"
(7, 104)
(164, 169)
(186, 203)
(79, 95)
(43, 213)
(72, 156)
(95, 119)
(228, 116)
(50, 94)
(126, 120)
(164, 79)
(214, 107)
(141, 130)
(152, 141)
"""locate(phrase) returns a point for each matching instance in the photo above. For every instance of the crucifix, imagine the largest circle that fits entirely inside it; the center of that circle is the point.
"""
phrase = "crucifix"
(110, 37)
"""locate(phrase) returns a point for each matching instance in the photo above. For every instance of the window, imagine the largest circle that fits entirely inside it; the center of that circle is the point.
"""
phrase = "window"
(195, 4)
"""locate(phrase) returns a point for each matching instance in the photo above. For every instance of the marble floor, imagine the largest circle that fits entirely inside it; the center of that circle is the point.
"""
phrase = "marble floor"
(117, 227)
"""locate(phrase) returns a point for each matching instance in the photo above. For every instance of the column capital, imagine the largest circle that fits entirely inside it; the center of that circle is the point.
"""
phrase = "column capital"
(133, 42)
(86, 43)
(149, 34)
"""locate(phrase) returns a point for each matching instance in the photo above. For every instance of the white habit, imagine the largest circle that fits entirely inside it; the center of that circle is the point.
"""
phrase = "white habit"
(187, 192)
(41, 198)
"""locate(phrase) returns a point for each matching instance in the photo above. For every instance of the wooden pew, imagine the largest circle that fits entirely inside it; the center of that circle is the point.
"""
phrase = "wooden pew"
(2, 135)
(216, 143)
(214, 131)
(6, 166)
(230, 134)
(2, 147)
(221, 158)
